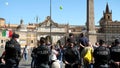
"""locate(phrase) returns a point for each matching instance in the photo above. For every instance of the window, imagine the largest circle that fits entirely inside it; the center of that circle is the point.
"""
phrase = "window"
(108, 17)
(1, 41)
(31, 41)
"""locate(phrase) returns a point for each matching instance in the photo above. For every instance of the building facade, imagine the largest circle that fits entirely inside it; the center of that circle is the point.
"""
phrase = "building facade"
(109, 29)
(31, 33)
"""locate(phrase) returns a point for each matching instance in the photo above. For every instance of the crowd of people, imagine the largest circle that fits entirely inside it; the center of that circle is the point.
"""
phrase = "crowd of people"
(74, 53)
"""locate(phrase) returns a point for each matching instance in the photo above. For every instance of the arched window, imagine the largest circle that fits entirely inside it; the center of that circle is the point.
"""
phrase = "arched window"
(108, 17)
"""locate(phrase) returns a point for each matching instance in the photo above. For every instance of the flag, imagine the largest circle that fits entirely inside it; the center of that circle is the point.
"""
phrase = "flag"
(7, 33)
(61, 7)
(10, 33)
(3, 33)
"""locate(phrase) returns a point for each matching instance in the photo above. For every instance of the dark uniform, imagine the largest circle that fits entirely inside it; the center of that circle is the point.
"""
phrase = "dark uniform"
(33, 58)
(72, 57)
(13, 52)
(101, 56)
(42, 57)
(115, 54)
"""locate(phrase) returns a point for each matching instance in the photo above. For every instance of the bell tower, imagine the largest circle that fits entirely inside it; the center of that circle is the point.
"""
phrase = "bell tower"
(107, 14)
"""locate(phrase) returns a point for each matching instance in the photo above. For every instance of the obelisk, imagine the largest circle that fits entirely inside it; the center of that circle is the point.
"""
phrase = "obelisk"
(90, 22)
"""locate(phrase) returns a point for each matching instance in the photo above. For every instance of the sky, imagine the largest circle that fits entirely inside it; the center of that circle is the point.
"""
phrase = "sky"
(73, 12)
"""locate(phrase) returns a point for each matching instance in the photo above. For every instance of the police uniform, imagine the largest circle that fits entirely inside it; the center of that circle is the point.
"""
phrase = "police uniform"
(42, 57)
(13, 52)
(115, 54)
(101, 57)
(71, 55)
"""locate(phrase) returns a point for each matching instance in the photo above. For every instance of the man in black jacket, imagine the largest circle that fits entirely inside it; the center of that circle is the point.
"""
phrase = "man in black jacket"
(101, 55)
(71, 56)
(115, 54)
(13, 52)
(41, 55)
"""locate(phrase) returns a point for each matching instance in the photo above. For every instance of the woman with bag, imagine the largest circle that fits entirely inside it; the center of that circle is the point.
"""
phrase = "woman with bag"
(87, 55)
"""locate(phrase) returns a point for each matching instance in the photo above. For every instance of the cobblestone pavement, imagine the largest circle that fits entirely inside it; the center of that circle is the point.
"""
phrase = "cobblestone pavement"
(25, 64)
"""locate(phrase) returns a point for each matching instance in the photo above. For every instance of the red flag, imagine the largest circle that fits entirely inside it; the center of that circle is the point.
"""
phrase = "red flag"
(10, 33)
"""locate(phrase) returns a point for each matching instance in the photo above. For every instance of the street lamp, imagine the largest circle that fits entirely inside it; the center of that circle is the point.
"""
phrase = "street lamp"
(50, 19)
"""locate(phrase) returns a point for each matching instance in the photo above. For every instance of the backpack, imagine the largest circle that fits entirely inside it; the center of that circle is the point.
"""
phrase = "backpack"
(88, 56)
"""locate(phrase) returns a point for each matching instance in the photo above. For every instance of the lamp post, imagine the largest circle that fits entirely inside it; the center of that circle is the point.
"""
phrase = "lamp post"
(50, 20)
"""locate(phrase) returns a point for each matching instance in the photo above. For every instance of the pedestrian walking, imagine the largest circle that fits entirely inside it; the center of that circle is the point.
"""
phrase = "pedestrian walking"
(26, 52)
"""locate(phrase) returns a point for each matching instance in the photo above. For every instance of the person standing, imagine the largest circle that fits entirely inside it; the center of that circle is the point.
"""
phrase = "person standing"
(71, 56)
(101, 55)
(72, 38)
(115, 54)
(33, 56)
(88, 50)
(26, 52)
(13, 52)
(42, 55)
(54, 62)
(60, 56)
(54, 53)
(83, 41)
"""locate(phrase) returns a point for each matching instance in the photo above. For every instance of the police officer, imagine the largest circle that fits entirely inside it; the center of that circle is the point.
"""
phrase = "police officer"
(71, 56)
(13, 52)
(42, 55)
(101, 55)
(115, 54)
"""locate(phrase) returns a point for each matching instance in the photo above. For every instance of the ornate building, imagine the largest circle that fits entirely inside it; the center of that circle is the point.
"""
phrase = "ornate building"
(31, 33)
(108, 28)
